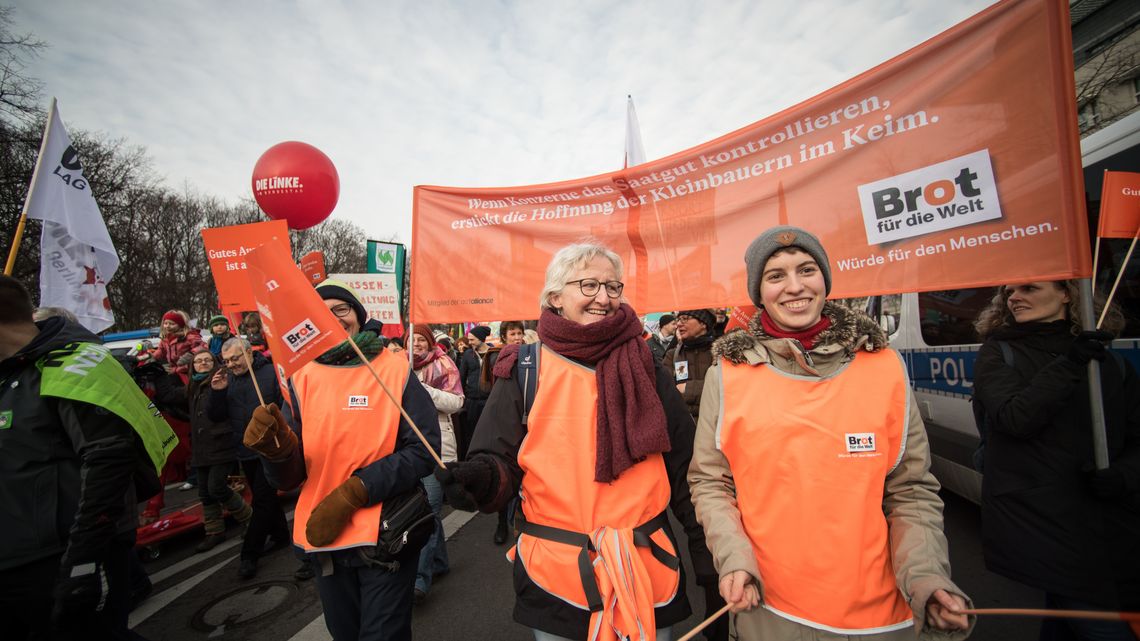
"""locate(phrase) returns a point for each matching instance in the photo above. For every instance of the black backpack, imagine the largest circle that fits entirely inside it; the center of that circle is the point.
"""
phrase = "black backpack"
(979, 457)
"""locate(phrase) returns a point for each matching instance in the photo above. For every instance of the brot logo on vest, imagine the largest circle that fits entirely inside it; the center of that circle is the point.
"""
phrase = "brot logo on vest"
(949, 194)
(301, 334)
(860, 441)
(357, 401)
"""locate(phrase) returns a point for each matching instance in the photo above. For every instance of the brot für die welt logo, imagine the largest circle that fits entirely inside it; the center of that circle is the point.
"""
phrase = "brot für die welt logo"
(950, 194)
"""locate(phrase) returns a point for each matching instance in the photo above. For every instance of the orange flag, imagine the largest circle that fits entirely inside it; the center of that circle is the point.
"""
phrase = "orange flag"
(1119, 205)
(298, 324)
(313, 265)
(740, 317)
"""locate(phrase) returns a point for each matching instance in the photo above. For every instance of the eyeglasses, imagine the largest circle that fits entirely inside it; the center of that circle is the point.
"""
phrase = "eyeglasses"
(590, 287)
(341, 310)
(233, 360)
(203, 361)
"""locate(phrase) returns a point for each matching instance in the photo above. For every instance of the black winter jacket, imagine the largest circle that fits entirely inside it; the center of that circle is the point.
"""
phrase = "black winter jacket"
(67, 467)
(1040, 523)
(470, 367)
(500, 434)
(697, 354)
(211, 442)
(237, 401)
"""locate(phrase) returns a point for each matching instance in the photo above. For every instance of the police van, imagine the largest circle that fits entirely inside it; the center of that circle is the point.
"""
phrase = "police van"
(934, 330)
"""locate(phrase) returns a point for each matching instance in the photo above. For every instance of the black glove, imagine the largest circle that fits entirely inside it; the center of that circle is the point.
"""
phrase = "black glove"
(1089, 345)
(469, 483)
(80, 591)
(1108, 483)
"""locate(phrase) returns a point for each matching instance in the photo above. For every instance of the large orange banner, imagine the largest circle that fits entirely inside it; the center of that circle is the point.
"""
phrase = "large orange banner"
(298, 325)
(226, 248)
(953, 165)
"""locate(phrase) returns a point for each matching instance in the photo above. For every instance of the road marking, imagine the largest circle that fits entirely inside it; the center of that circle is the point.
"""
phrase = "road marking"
(198, 557)
(317, 631)
(457, 519)
(166, 597)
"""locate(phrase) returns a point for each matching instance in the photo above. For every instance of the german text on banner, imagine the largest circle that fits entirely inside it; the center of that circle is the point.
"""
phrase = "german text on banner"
(1119, 205)
(298, 325)
(953, 165)
(226, 249)
(377, 293)
(77, 258)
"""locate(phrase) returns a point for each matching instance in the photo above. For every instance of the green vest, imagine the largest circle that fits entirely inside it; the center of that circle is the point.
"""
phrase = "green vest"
(88, 373)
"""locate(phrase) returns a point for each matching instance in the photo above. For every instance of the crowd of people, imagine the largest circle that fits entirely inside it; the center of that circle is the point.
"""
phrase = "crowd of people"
(791, 452)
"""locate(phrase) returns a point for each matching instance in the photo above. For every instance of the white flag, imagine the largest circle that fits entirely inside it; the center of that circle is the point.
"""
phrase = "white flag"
(77, 258)
(634, 151)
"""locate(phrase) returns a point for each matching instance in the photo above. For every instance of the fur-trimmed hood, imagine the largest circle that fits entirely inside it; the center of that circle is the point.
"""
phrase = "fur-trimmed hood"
(849, 331)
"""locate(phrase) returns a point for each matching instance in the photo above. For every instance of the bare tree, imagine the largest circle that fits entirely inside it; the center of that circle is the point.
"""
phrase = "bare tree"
(19, 92)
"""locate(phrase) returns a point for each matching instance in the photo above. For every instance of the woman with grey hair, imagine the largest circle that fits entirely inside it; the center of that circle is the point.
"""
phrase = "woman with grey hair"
(596, 451)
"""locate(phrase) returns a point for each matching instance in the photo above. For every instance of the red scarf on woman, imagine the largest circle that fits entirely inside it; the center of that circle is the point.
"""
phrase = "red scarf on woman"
(631, 418)
(806, 337)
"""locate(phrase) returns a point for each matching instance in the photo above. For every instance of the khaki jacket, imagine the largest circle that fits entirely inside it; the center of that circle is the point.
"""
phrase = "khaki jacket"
(911, 503)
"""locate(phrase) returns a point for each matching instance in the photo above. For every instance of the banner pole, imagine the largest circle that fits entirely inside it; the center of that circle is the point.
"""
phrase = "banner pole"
(11, 264)
(1093, 615)
(256, 387)
(706, 623)
(407, 418)
(1096, 258)
(1123, 267)
(1096, 401)
(16, 242)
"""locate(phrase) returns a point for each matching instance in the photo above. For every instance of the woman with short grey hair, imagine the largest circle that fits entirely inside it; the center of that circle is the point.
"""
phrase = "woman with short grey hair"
(596, 448)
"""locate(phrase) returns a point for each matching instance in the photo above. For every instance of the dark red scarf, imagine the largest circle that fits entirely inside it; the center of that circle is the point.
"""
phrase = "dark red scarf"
(631, 418)
(805, 337)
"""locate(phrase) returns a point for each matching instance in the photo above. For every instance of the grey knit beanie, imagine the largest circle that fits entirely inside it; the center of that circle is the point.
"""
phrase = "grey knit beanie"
(777, 238)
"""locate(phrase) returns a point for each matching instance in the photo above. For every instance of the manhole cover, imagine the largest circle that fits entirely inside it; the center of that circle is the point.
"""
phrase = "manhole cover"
(244, 606)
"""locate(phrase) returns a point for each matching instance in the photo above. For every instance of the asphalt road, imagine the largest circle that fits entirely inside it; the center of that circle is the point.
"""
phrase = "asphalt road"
(199, 596)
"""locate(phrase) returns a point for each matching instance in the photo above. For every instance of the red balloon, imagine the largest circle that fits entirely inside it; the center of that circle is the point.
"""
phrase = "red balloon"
(296, 182)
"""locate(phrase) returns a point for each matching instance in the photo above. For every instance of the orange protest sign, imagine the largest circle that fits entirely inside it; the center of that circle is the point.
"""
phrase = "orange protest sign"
(739, 317)
(953, 165)
(1119, 205)
(297, 323)
(313, 266)
(226, 249)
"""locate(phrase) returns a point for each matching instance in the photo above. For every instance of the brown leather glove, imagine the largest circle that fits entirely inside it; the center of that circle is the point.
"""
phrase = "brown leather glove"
(269, 435)
(328, 519)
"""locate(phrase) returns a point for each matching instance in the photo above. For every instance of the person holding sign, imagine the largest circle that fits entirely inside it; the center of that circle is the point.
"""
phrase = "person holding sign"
(234, 397)
(355, 453)
(1049, 518)
(595, 439)
(811, 469)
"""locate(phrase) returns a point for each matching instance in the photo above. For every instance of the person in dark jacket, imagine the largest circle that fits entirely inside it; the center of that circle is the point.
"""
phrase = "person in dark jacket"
(1049, 518)
(470, 373)
(603, 453)
(213, 449)
(72, 471)
(691, 357)
(351, 457)
(234, 398)
(661, 340)
(510, 333)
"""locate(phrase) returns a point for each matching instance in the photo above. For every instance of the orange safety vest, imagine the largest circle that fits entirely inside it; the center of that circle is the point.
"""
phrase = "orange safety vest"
(810, 457)
(602, 547)
(348, 422)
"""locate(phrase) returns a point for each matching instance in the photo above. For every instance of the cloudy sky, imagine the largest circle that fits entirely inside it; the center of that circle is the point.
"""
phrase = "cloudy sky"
(477, 93)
